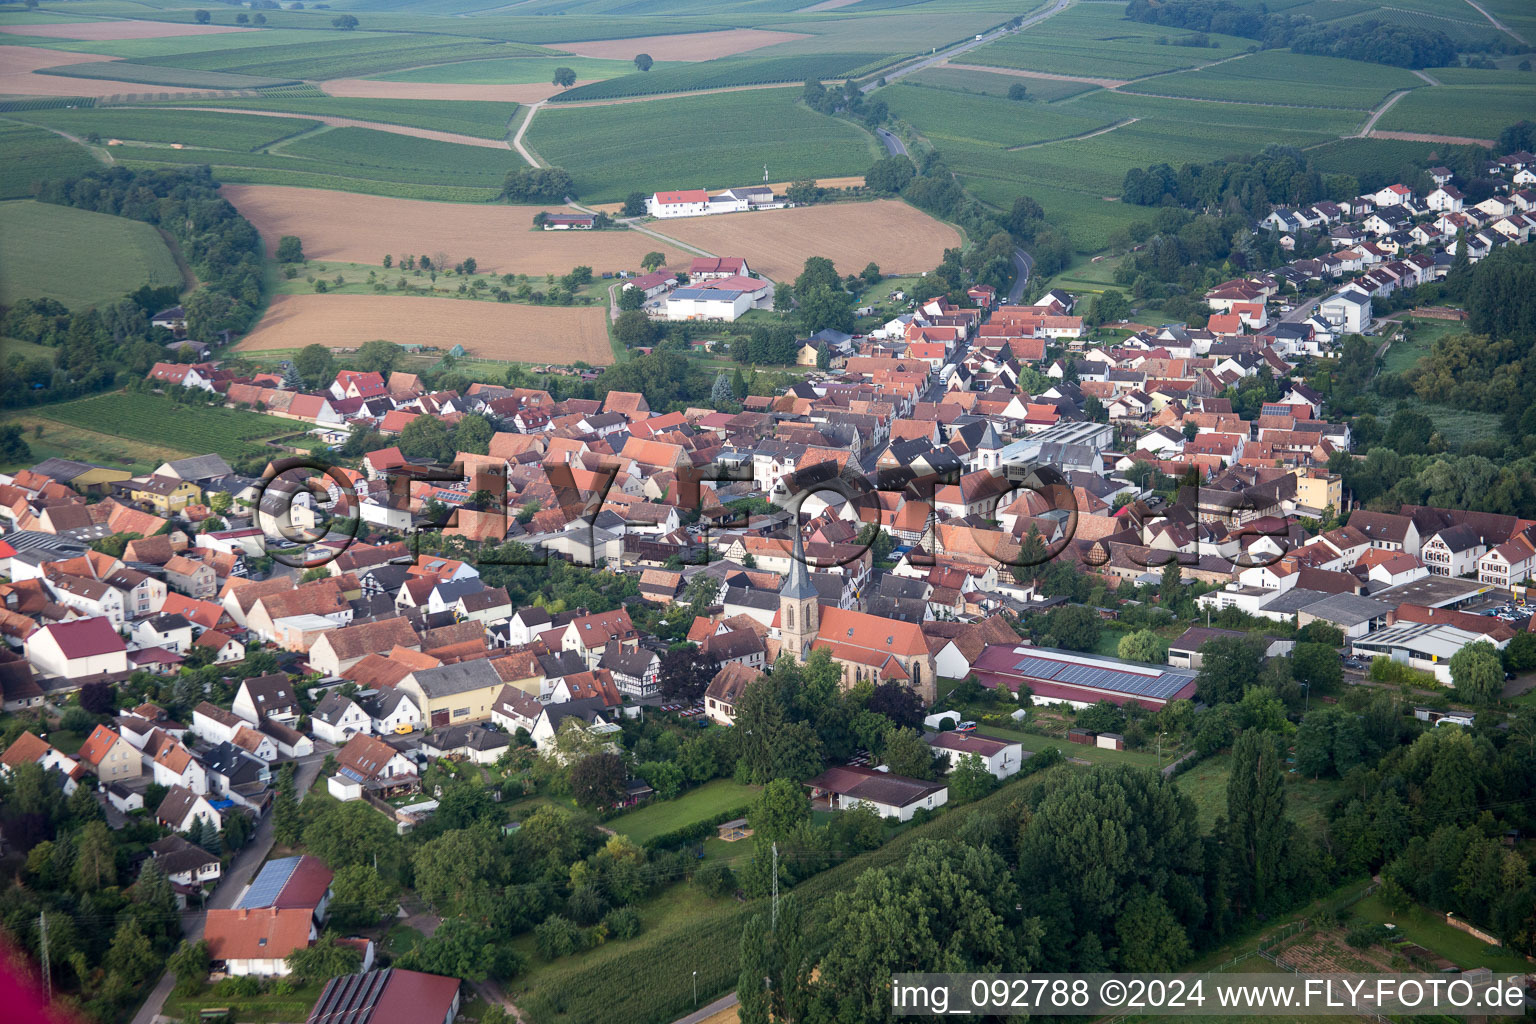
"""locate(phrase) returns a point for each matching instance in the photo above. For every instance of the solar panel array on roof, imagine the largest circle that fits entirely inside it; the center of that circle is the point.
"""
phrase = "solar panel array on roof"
(268, 883)
(1159, 684)
(350, 998)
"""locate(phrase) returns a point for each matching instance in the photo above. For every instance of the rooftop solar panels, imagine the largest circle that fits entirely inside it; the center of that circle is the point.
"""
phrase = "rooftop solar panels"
(268, 884)
(1154, 681)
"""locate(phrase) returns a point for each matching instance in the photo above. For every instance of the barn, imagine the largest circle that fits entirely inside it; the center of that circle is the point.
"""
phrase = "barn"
(1081, 680)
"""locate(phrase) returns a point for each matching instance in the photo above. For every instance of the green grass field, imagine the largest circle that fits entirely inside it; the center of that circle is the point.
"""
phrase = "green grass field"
(154, 74)
(1095, 40)
(517, 70)
(1478, 112)
(613, 150)
(154, 419)
(483, 119)
(341, 57)
(660, 816)
(1421, 337)
(33, 155)
(993, 83)
(1428, 929)
(194, 128)
(78, 257)
(946, 118)
(716, 74)
(1282, 77)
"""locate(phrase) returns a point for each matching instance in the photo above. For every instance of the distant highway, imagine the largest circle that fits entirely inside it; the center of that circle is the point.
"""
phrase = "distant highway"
(969, 44)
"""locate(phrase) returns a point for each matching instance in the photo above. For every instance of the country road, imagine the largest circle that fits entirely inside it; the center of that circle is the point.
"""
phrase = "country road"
(1025, 263)
(893, 145)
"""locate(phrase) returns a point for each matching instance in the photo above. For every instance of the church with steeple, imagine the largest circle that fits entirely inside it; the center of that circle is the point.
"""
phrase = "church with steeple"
(869, 648)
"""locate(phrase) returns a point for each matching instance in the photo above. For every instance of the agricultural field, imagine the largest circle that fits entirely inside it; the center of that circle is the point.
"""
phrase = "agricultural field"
(155, 420)
(166, 46)
(718, 75)
(897, 237)
(19, 67)
(467, 117)
(517, 70)
(1095, 39)
(1462, 111)
(77, 257)
(979, 120)
(196, 129)
(490, 330)
(1288, 79)
(993, 83)
(690, 46)
(116, 30)
(340, 57)
(361, 229)
(613, 150)
(104, 447)
(151, 74)
(33, 154)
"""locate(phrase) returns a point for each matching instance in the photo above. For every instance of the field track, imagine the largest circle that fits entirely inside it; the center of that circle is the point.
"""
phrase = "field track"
(361, 229)
(687, 46)
(18, 62)
(888, 232)
(490, 330)
(378, 126)
(371, 89)
(114, 30)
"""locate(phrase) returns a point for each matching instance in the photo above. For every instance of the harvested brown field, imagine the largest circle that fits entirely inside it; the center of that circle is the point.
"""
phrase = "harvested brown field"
(489, 330)
(367, 88)
(687, 46)
(1444, 140)
(119, 30)
(361, 229)
(898, 237)
(18, 62)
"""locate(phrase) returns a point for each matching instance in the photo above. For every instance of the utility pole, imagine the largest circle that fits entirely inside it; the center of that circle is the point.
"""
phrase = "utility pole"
(775, 886)
(42, 928)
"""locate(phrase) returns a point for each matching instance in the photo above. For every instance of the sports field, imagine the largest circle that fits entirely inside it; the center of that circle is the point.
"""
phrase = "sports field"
(361, 229)
(77, 257)
(506, 331)
(897, 237)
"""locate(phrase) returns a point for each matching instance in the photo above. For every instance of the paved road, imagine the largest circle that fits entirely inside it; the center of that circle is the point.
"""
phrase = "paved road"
(706, 1012)
(235, 879)
(1023, 263)
(970, 44)
(893, 145)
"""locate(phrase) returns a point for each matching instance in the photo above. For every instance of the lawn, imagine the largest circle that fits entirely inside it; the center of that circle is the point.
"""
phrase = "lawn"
(1206, 784)
(33, 155)
(1428, 929)
(699, 804)
(713, 141)
(1036, 743)
(157, 420)
(266, 1008)
(78, 257)
(1421, 337)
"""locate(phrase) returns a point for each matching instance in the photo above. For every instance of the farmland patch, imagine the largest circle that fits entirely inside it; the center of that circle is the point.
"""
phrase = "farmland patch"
(33, 154)
(513, 332)
(361, 229)
(196, 128)
(156, 420)
(687, 46)
(120, 30)
(77, 257)
(897, 237)
(1463, 110)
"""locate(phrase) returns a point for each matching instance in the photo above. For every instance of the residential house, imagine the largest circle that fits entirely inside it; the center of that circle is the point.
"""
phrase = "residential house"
(77, 650)
(367, 763)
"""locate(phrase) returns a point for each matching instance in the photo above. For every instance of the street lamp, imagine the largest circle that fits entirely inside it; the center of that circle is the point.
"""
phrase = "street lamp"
(1307, 687)
(695, 990)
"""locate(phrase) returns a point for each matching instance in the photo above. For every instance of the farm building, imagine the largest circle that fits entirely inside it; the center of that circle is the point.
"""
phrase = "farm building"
(708, 303)
(891, 796)
(685, 203)
(382, 997)
(569, 221)
(1081, 680)
(652, 285)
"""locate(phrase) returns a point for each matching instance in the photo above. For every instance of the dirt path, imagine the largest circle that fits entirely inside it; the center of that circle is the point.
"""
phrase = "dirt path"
(1108, 83)
(1370, 124)
(99, 152)
(379, 126)
(1496, 23)
(1444, 140)
(1427, 78)
(522, 129)
(1075, 138)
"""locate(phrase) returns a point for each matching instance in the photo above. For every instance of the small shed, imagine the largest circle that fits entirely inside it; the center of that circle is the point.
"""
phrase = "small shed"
(1110, 741)
(733, 830)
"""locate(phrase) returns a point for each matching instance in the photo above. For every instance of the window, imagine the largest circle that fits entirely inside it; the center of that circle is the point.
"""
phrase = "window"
(460, 712)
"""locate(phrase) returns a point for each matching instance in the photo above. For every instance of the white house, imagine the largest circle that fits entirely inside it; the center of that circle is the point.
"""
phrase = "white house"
(690, 202)
(1347, 311)
(337, 719)
(1000, 757)
(77, 649)
(891, 796)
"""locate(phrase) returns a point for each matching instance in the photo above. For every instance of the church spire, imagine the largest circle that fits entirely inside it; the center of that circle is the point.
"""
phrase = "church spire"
(799, 585)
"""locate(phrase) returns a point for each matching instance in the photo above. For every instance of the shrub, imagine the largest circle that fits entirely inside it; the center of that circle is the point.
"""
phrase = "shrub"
(716, 879)
(556, 937)
(622, 923)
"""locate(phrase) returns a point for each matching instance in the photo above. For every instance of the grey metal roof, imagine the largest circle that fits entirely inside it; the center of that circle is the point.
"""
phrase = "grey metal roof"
(446, 680)
(1293, 600)
(1348, 609)
(1107, 674)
